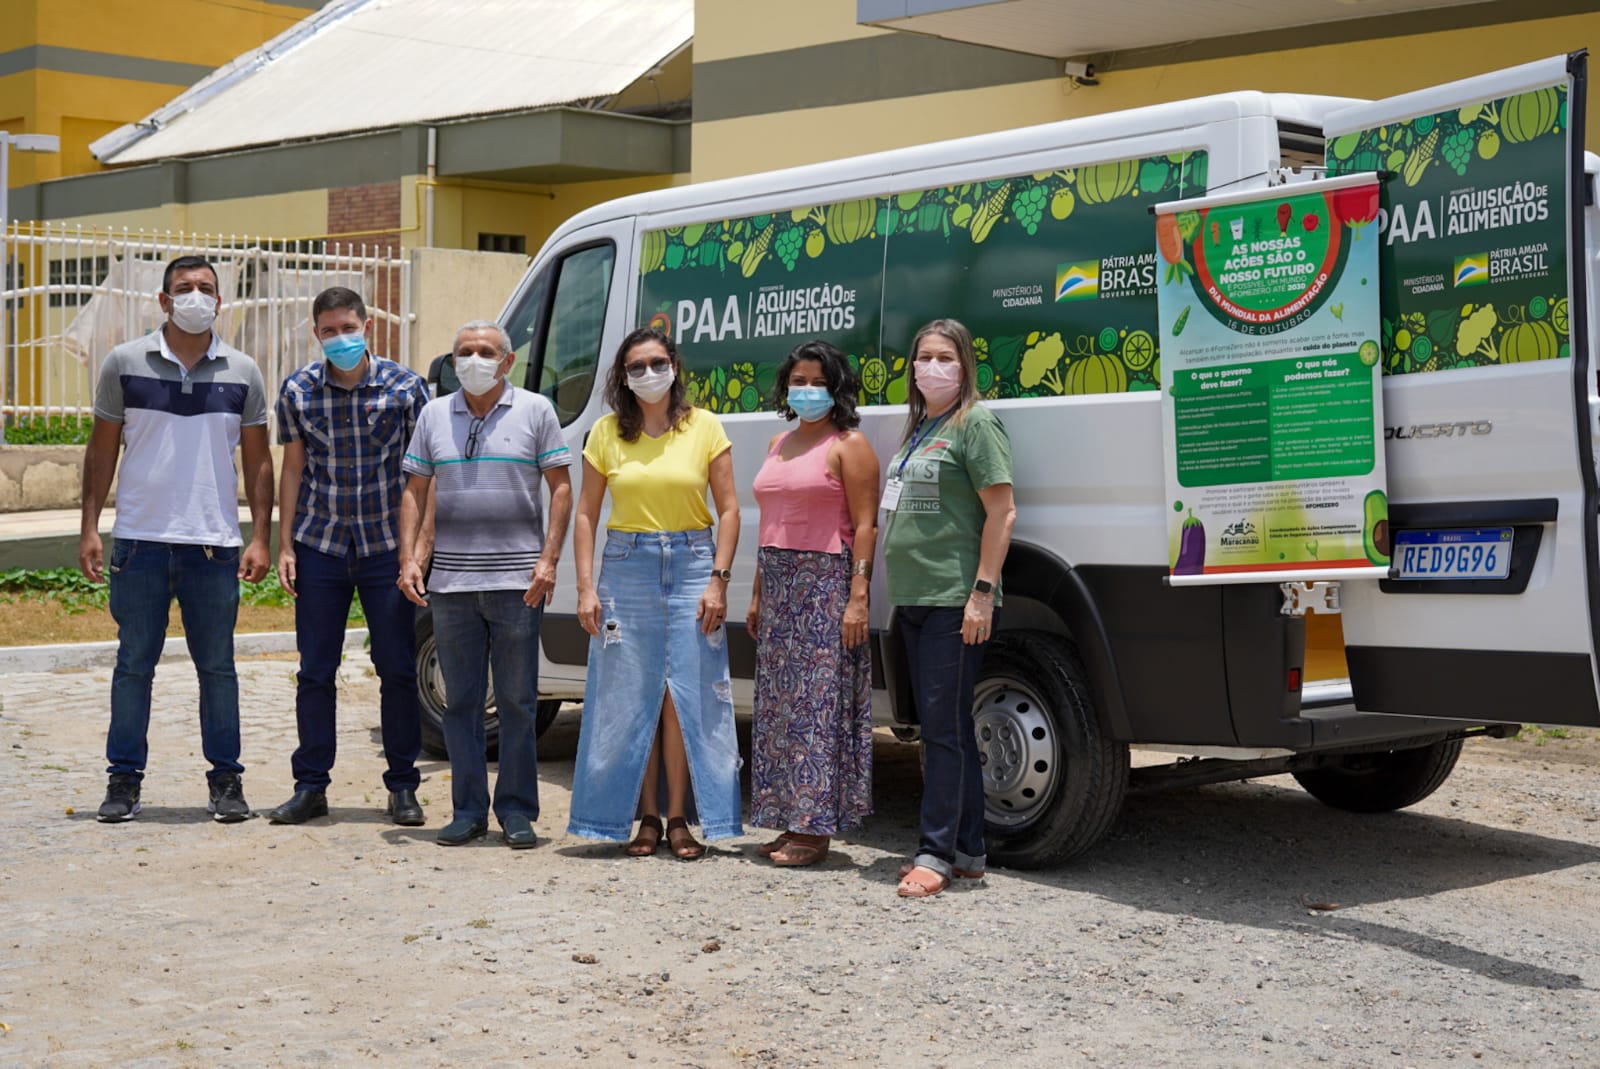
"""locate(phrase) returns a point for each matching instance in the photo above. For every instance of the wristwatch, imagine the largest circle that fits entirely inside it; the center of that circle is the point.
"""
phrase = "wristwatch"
(725, 574)
(983, 586)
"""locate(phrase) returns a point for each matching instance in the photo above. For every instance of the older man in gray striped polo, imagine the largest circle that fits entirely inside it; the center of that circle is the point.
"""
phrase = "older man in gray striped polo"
(487, 448)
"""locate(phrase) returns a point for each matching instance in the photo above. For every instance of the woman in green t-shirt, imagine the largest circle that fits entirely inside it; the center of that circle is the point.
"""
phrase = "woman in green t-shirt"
(950, 512)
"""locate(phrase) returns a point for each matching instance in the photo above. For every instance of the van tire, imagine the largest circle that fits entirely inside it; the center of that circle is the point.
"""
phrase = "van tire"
(1053, 781)
(430, 700)
(1382, 782)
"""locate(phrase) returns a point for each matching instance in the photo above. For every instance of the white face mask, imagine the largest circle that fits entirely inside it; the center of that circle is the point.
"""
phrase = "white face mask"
(194, 312)
(652, 386)
(478, 374)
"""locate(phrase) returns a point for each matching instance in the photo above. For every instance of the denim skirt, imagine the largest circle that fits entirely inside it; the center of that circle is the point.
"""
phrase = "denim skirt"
(649, 643)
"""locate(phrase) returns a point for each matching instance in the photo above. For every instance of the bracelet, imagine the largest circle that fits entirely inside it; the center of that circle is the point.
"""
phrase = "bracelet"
(982, 599)
(862, 568)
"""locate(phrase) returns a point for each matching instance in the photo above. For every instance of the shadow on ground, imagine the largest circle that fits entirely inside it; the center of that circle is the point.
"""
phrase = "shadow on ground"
(1253, 854)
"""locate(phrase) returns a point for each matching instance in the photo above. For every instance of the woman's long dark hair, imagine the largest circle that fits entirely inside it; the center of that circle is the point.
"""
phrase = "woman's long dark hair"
(630, 417)
(842, 382)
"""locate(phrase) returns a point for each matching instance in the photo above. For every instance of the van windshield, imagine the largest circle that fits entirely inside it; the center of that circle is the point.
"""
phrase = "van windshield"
(556, 328)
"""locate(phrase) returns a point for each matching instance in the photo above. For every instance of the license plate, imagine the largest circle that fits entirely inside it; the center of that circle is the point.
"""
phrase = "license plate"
(1481, 553)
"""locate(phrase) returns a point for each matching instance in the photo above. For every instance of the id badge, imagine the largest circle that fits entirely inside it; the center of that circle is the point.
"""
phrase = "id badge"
(891, 495)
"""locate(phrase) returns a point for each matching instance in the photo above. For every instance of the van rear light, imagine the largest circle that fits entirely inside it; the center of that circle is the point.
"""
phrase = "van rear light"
(1294, 681)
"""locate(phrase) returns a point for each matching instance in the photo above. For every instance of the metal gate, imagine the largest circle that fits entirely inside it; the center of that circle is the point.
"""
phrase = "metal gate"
(69, 294)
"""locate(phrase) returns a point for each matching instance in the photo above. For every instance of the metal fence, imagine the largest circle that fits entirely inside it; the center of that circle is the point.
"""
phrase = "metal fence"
(69, 294)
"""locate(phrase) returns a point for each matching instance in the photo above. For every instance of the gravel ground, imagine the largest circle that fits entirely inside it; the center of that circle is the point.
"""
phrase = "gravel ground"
(1463, 931)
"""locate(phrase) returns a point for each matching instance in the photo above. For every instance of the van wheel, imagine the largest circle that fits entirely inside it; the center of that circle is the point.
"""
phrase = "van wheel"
(1382, 782)
(430, 695)
(1053, 783)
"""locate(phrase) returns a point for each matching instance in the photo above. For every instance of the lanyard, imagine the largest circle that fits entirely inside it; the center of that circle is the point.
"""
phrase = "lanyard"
(916, 440)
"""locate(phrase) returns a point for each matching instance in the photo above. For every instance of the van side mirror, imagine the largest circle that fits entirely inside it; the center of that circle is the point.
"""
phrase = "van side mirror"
(442, 375)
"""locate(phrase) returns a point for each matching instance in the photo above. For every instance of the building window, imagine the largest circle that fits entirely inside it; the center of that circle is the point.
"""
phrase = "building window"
(85, 272)
(503, 243)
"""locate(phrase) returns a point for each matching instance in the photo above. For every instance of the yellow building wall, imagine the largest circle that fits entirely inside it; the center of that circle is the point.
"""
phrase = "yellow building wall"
(464, 210)
(280, 215)
(727, 29)
(80, 108)
(182, 31)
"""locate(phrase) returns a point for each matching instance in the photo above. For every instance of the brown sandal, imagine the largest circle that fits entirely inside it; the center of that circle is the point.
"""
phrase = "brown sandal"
(801, 850)
(644, 845)
(910, 888)
(684, 847)
(770, 848)
(960, 874)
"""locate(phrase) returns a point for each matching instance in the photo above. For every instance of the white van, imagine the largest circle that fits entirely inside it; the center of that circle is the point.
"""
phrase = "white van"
(1096, 653)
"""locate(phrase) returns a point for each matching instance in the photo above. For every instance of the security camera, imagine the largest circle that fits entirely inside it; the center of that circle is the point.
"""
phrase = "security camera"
(1081, 73)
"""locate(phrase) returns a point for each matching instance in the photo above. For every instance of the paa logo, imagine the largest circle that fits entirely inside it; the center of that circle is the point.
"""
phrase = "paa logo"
(662, 322)
(1472, 270)
(1076, 282)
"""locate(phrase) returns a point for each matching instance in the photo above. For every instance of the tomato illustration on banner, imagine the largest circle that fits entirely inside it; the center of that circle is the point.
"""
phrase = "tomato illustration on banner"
(1272, 410)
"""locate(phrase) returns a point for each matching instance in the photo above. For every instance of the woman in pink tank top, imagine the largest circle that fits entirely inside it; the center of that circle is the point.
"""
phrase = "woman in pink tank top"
(811, 741)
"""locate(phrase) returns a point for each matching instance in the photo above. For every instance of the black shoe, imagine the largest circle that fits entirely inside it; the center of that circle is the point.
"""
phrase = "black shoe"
(227, 800)
(122, 799)
(302, 807)
(461, 831)
(517, 831)
(404, 809)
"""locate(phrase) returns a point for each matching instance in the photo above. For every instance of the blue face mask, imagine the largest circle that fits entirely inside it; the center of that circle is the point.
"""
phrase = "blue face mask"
(344, 351)
(810, 403)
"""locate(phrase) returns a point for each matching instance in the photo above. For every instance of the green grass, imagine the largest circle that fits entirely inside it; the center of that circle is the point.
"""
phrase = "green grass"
(49, 430)
(75, 593)
(68, 586)
(1538, 736)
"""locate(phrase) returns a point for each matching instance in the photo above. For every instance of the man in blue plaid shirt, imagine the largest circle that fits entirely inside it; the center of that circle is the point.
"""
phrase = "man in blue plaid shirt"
(344, 422)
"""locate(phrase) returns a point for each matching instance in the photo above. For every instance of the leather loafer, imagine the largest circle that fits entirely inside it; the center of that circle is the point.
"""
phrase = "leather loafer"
(461, 831)
(517, 831)
(404, 809)
(301, 808)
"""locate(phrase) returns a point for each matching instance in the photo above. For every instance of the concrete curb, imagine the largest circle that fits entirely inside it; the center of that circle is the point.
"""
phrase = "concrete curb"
(104, 654)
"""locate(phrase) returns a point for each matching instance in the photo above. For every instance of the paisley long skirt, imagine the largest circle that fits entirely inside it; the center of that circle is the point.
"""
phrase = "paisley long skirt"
(811, 741)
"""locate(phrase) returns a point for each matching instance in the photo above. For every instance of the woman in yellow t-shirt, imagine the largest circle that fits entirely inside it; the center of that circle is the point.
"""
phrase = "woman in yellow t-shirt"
(657, 707)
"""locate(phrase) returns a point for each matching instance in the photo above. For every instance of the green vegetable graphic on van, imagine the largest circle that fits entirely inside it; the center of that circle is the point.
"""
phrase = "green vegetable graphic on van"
(1528, 115)
(1104, 182)
(1503, 264)
(743, 291)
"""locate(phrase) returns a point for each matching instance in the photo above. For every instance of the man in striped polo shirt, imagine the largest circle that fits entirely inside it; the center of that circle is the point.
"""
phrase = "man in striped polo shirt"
(344, 422)
(486, 449)
(181, 399)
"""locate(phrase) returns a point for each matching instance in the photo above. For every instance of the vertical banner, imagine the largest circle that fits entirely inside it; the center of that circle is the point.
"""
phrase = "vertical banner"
(1272, 418)
(1474, 258)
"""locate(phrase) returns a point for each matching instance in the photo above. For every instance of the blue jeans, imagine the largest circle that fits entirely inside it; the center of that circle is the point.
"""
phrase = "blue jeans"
(145, 577)
(944, 674)
(650, 586)
(325, 584)
(476, 632)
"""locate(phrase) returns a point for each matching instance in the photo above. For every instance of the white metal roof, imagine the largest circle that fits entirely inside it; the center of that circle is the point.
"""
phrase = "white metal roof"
(370, 64)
